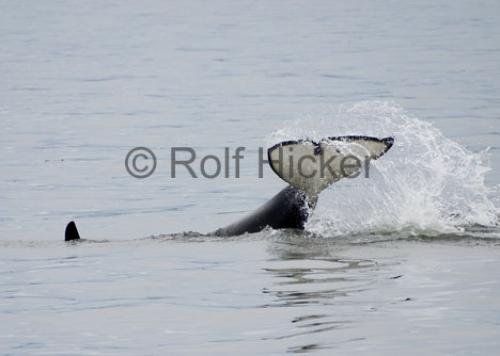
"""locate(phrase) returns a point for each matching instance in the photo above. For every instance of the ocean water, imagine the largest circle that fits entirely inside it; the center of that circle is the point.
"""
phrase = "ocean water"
(405, 261)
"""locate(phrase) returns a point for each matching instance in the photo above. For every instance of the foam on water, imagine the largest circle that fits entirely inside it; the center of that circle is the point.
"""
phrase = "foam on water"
(426, 184)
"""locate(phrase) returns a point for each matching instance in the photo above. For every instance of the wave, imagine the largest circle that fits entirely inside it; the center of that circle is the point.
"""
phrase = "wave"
(427, 184)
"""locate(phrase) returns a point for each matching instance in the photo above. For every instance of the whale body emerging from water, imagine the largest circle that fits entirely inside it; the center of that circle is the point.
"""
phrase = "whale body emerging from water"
(308, 167)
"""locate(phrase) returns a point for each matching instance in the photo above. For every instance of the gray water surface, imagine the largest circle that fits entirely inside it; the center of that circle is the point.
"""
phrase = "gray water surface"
(83, 83)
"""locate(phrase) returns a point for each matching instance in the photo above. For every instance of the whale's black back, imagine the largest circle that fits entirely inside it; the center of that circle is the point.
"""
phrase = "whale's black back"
(289, 209)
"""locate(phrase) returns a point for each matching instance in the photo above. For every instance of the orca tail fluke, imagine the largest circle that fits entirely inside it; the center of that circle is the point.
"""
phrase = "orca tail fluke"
(312, 166)
(71, 232)
(389, 141)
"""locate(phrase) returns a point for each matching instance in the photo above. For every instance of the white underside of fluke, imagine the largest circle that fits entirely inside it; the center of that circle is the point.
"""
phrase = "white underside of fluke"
(312, 166)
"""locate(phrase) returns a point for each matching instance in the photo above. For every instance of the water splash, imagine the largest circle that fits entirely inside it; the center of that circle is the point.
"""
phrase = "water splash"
(427, 183)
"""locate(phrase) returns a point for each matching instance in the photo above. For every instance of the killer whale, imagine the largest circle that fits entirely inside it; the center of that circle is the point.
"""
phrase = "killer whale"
(289, 209)
(292, 206)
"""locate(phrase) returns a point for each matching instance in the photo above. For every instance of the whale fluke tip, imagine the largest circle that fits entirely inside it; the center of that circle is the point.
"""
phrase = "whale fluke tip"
(389, 141)
(71, 232)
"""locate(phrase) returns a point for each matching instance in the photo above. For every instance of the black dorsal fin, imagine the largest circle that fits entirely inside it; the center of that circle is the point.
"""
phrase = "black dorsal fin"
(71, 232)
